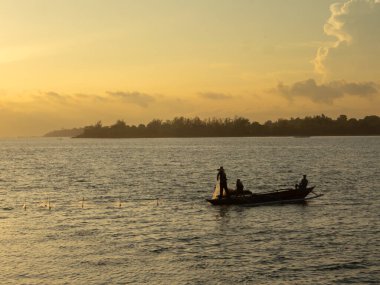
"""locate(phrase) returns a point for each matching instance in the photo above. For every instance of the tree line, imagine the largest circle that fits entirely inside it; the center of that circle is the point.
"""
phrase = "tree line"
(320, 125)
(65, 133)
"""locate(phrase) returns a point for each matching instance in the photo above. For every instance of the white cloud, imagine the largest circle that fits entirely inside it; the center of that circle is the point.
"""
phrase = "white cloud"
(355, 25)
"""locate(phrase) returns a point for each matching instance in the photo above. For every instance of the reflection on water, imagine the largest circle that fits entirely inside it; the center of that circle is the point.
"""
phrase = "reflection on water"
(105, 225)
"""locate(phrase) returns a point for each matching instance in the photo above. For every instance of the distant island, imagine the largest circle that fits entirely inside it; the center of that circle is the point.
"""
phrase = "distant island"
(320, 125)
(65, 133)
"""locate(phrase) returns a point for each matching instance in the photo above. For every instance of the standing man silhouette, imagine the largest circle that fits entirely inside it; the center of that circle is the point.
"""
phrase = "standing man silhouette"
(222, 178)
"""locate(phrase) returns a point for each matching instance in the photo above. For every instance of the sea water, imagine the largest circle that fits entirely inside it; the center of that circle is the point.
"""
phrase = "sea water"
(133, 211)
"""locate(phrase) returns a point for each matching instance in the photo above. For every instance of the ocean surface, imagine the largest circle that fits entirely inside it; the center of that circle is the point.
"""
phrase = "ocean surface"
(133, 211)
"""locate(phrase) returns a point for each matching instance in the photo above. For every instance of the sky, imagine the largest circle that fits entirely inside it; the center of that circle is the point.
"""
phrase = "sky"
(71, 63)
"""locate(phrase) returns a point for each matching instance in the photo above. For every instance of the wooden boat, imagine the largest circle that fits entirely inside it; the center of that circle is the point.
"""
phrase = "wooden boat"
(290, 195)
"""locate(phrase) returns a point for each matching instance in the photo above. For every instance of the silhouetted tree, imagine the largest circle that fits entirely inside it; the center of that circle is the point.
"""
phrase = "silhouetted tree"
(320, 125)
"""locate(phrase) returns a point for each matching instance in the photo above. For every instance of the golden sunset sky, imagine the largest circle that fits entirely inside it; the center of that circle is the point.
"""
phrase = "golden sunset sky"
(70, 63)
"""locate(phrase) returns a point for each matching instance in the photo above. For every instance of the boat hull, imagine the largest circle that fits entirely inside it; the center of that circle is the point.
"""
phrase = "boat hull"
(284, 196)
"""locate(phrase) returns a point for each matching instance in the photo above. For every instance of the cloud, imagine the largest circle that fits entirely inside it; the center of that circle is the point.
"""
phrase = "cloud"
(140, 99)
(355, 25)
(90, 97)
(328, 92)
(214, 95)
(57, 99)
(55, 96)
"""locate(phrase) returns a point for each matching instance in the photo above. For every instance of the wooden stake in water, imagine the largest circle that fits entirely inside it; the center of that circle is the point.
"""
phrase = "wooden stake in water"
(82, 202)
(24, 206)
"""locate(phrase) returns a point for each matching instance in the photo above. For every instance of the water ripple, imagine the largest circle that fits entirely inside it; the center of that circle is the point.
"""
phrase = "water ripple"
(133, 212)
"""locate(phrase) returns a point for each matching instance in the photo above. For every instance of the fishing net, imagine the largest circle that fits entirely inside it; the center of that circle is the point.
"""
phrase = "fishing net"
(216, 193)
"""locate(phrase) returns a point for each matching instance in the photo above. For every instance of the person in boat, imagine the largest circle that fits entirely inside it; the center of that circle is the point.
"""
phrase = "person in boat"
(303, 183)
(239, 187)
(222, 178)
